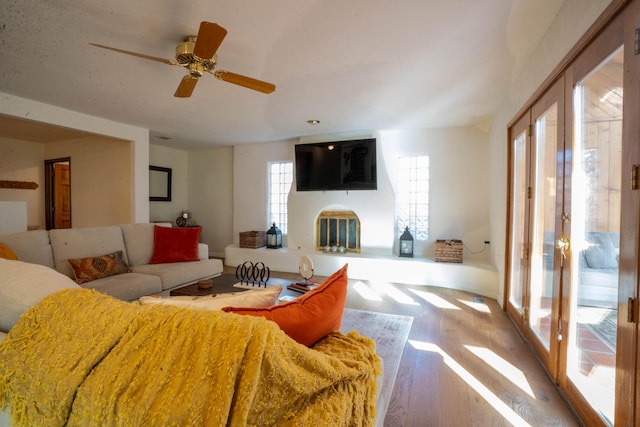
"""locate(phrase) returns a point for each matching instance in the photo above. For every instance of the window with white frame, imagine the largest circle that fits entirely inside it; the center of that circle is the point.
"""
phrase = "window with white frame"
(280, 179)
(412, 206)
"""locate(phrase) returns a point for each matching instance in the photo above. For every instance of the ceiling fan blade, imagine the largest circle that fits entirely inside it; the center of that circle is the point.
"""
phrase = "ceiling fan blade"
(208, 41)
(245, 81)
(139, 55)
(186, 86)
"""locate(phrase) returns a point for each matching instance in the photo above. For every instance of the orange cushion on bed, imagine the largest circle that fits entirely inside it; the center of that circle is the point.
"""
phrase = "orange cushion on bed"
(7, 253)
(175, 244)
(312, 316)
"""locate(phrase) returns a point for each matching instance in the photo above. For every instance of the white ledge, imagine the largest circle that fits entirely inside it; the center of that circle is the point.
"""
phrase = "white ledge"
(474, 275)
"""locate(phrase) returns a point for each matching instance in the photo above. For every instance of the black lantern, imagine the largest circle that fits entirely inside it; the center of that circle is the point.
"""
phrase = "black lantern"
(274, 237)
(406, 244)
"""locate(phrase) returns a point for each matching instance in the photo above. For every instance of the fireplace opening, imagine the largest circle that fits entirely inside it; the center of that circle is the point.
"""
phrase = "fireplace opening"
(338, 231)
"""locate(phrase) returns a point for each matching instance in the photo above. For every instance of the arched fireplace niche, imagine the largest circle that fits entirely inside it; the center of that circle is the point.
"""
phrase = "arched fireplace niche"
(338, 231)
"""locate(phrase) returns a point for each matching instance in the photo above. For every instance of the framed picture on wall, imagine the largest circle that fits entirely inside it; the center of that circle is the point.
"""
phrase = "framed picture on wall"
(159, 184)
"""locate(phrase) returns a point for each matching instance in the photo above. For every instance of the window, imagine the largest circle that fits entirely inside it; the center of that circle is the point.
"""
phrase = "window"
(280, 179)
(412, 208)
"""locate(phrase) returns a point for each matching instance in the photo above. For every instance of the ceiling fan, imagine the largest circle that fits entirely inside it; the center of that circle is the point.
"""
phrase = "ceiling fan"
(198, 55)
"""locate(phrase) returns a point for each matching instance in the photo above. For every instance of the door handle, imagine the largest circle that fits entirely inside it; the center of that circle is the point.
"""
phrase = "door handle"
(563, 244)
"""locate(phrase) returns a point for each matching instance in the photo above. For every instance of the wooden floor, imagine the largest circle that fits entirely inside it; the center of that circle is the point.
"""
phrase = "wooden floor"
(464, 363)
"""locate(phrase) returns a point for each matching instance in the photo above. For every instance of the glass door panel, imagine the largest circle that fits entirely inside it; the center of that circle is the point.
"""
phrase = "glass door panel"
(595, 233)
(518, 244)
(544, 218)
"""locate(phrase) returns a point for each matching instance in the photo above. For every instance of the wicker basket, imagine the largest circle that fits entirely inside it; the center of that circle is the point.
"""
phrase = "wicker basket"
(253, 239)
(448, 250)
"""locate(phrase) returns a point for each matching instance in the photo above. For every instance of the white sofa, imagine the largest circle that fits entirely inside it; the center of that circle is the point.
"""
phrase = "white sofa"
(55, 247)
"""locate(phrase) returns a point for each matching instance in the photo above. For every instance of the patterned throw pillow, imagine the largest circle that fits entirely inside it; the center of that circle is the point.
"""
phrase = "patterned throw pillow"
(88, 269)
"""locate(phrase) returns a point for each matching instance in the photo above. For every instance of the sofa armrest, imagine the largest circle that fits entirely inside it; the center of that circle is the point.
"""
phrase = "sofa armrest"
(203, 251)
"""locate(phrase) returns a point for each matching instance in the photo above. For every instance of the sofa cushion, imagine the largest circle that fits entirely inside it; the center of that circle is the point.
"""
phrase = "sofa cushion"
(138, 238)
(310, 317)
(31, 246)
(7, 253)
(181, 273)
(602, 250)
(23, 285)
(176, 244)
(126, 287)
(83, 243)
(251, 298)
(92, 268)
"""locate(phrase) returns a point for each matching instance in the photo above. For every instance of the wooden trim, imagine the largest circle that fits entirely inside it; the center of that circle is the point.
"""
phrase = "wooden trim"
(19, 185)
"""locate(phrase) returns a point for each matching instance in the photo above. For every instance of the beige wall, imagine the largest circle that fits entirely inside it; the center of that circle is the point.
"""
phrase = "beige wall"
(101, 181)
(24, 161)
(138, 163)
(101, 184)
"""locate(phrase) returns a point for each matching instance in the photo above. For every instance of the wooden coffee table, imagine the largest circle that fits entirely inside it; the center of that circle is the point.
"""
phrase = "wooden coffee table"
(224, 284)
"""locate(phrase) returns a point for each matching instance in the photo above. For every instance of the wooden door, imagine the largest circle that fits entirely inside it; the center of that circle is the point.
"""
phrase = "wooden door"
(62, 191)
(57, 193)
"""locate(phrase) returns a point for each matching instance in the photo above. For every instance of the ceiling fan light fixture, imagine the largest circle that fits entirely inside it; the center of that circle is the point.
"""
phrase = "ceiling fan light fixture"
(196, 69)
(313, 122)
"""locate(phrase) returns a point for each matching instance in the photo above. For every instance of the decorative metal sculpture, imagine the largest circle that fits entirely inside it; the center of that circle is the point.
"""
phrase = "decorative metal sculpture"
(252, 275)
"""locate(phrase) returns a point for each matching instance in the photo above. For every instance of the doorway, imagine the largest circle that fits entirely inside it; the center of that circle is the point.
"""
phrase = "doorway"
(58, 193)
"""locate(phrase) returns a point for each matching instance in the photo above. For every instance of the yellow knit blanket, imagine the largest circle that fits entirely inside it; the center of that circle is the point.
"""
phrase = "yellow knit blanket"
(82, 358)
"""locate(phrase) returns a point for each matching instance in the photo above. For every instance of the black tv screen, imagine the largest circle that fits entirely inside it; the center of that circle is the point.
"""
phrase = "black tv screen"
(336, 165)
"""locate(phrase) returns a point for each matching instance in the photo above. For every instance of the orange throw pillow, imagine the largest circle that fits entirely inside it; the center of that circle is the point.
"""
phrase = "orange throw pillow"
(175, 244)
(312, 316)
(7, 253)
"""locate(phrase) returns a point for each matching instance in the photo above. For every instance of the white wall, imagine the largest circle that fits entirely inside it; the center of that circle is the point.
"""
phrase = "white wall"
(203, 184)
(178, 161)
(139, 149)
(24, 161)
(211, 196)
(13, 217)
(573, 20)
(459, 199)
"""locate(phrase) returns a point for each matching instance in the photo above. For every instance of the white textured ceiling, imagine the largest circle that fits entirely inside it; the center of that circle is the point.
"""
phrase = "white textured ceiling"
(355, 65)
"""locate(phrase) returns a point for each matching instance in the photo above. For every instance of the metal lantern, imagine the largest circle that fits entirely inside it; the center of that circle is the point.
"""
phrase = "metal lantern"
(274, 237)
(406, 244)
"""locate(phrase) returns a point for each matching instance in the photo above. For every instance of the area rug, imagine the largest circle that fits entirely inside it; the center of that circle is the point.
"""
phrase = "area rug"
(390, 332)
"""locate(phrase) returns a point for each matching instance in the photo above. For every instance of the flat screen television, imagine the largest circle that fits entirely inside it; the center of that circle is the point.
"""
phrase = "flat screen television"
(336, 165)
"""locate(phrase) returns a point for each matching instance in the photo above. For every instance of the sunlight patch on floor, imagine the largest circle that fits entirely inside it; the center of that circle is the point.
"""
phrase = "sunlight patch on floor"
(478, 306)
(502, 408)
(435, 300)
(393, 292)
(366, 292)
(506, 369)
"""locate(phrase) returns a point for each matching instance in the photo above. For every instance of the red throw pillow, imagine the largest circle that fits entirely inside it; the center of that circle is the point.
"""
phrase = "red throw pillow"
(175, 244)
(312, 316)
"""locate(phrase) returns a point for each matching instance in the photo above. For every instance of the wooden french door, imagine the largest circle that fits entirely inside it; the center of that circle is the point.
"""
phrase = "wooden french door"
(536, 199)
(573, 237)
